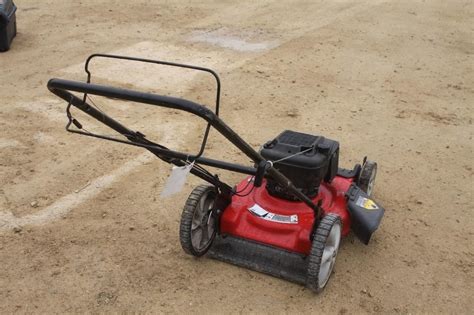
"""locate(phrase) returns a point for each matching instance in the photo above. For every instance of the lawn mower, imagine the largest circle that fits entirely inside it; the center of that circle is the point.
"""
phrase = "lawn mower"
(286, 218)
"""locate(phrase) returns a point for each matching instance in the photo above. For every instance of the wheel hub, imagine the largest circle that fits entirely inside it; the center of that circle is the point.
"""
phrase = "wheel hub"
(202, 227)
(329, 254)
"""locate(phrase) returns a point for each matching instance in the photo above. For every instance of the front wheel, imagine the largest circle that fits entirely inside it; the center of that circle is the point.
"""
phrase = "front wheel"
(323, 252)
(198, 224)
(366, 180)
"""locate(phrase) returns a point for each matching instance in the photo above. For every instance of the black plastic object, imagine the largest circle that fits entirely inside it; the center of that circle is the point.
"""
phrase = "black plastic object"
(365, 213)
(305, 159)
(347, 173)
(262, 258)
(7, 24)
(260, 174)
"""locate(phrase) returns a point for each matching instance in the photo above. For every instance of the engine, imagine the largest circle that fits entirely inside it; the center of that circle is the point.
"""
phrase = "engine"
(305, 159)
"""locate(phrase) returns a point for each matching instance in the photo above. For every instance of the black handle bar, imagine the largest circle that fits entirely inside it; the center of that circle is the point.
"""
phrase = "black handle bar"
(159, 62)
(63, 88)
(163, 63)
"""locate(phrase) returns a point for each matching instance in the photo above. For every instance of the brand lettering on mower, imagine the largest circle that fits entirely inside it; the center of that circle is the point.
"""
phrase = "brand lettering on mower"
(278, 218)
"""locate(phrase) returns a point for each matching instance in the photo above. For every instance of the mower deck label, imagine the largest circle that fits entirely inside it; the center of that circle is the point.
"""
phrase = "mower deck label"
(264, 214)
(366, 203)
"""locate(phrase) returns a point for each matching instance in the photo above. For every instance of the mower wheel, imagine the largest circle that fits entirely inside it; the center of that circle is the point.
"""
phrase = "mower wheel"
(198, 225)
(323, 252)
(366, 180)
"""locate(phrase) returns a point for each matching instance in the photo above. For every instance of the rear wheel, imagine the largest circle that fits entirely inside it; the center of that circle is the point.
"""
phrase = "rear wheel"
(366, 180)
(323, 252)
(198, 224)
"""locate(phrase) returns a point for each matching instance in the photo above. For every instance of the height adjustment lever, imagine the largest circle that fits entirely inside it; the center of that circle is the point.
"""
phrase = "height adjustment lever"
(262, 168)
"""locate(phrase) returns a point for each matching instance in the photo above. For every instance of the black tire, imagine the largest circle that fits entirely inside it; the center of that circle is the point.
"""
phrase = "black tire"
(326, 237)
(196, 219)
(366, 180)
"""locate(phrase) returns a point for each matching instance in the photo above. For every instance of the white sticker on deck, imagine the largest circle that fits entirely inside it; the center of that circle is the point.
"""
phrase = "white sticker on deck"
(264, 214)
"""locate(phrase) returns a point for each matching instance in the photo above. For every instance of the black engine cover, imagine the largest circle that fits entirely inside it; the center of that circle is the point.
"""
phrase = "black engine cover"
(305, 159)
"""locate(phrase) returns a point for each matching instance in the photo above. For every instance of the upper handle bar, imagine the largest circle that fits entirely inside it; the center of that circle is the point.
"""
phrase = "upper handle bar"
(159, 62)
(165, 63)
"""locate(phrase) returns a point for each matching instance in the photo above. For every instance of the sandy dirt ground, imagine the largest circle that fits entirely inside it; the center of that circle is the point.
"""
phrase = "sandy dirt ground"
(82, 225)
